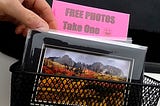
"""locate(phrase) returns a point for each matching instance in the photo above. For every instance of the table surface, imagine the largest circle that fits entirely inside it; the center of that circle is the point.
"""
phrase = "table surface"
(5, 78)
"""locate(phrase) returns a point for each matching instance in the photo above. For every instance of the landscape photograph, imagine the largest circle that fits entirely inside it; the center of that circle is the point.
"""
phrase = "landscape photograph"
(85, 65)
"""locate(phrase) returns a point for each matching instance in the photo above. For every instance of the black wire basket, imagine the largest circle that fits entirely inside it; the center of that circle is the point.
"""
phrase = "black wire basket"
(38, 89)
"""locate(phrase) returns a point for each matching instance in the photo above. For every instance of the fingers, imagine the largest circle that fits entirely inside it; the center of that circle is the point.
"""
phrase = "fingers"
(42, 8)
(21, 29)
(34, 14)
(27, 17)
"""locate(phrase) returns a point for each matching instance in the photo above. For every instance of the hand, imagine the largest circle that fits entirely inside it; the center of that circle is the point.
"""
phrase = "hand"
(33, 14)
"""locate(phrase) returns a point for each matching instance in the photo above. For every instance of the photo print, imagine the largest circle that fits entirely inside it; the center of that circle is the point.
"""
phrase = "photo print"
(85, 64)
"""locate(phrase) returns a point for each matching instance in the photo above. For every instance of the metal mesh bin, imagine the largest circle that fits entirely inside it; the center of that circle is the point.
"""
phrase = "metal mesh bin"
(38, 89)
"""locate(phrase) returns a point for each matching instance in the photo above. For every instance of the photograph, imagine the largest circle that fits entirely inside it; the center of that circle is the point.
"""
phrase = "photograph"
(85, 64)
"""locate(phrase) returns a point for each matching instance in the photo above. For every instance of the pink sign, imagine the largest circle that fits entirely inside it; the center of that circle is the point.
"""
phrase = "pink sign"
(84, 20)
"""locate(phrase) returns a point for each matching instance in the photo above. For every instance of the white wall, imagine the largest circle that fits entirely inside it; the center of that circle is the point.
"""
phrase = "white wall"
(5, 76)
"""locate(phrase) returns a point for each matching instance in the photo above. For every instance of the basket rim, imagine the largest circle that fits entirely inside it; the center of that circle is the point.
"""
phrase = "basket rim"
(17, 68)
(107, 81)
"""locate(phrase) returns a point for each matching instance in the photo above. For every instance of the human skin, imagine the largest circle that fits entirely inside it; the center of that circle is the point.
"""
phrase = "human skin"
(27, 14)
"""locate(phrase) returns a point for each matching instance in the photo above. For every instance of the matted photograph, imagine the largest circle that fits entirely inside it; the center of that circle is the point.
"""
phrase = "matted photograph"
(36, 45)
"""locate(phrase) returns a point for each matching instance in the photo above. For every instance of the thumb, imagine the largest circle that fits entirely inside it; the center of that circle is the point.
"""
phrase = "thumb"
(27, 17)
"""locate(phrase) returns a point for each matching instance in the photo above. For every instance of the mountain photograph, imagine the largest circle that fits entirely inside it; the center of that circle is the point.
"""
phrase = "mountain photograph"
(66, 66)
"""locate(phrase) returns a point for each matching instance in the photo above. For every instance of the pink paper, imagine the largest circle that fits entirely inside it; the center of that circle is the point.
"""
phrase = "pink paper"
(84, 20)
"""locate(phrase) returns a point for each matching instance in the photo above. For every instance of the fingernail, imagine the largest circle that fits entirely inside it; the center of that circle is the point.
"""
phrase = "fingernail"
(42, 29)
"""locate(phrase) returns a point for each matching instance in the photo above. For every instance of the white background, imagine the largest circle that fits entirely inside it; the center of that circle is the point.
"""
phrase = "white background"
(5, 79)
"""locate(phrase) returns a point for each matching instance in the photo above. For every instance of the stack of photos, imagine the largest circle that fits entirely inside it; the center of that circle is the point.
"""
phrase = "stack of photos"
(79, 71)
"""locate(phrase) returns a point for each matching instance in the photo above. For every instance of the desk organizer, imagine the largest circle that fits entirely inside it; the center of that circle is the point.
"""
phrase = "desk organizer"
(38, 89)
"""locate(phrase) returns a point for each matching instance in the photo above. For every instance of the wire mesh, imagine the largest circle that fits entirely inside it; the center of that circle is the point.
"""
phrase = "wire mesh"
(34, 89)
